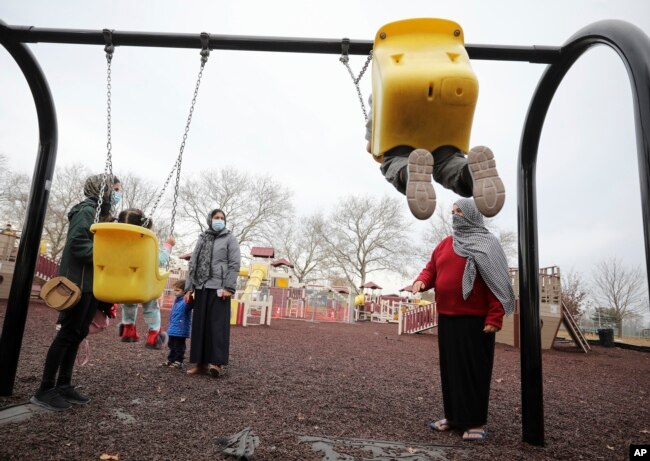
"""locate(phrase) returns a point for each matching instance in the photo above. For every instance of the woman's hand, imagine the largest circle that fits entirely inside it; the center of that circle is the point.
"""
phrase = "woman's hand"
(417, 286)
(226, 294)
(490, 329)
(189, 297)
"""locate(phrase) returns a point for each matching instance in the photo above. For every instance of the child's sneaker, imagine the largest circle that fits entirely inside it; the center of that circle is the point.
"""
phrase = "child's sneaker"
(419, 188)
(166, 363)
(178, 365)
(488, 191)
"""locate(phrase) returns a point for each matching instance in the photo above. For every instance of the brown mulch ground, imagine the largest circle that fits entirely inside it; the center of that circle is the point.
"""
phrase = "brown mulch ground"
(294, 379)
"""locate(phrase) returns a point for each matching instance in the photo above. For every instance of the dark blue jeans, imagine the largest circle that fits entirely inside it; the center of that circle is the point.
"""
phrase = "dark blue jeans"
(177, 347)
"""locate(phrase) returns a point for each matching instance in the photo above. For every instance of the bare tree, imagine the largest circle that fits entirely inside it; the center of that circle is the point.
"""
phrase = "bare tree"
(302, 244)
(574, 294)
(441, 227)
(366, 235)
(4, 169)
(255, 206)
(143, 194)
(619, 290)
(139, 193)
(14, 197)
(67, 190)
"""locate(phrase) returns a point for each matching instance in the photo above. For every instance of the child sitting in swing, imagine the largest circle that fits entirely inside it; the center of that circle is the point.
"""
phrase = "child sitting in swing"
(410, 171)
(150, 309)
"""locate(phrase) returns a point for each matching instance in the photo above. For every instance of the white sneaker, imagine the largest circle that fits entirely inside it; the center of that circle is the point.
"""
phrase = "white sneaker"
(419, 188)
(488, 191)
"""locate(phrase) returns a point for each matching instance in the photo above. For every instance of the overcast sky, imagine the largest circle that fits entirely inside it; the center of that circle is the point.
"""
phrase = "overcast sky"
(297, 117)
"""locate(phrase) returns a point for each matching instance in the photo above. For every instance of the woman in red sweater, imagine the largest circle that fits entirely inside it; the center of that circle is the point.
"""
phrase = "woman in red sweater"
(469, 273)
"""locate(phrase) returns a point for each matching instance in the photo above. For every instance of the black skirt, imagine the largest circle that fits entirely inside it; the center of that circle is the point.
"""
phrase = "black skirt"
(210, 340)
(466, 359)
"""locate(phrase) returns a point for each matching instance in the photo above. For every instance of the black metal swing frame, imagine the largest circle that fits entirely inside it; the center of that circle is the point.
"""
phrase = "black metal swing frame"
(630, 43)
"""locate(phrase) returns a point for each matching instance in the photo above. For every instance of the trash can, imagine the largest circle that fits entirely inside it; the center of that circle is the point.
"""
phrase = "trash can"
(606, 337)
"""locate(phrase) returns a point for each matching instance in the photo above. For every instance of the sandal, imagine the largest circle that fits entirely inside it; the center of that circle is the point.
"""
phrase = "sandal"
(440, 425)
(214, 370)
(472, 435)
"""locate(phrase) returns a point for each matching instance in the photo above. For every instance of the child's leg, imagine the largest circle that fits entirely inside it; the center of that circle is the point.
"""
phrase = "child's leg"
(451, 171)
(181, 349)
(171, 357)
(178, 352)
(409, 171)
(394, 167)
(151, 314)
(127, 329)
(129, 312)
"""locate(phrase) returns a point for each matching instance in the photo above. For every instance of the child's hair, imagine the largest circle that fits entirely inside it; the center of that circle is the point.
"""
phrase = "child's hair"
(134, 216)
(180, 284)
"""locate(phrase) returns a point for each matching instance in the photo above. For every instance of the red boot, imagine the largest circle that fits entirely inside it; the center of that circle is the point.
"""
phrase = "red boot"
(129, 333)
(156, 339)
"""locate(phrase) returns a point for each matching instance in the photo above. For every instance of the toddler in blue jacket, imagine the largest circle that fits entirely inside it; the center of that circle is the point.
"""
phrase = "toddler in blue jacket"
(180, 322)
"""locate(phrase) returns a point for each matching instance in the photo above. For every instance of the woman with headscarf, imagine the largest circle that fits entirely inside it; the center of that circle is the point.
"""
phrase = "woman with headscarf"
(211, 280)
(56, 391)
(469, 273)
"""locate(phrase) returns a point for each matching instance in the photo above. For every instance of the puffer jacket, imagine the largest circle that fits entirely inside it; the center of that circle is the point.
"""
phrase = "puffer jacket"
(226, 259)
(180, 319)
(77, 257)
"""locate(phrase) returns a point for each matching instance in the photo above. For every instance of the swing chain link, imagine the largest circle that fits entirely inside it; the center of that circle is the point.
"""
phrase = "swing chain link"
(108, 168)
(345, 59)
(205, 53)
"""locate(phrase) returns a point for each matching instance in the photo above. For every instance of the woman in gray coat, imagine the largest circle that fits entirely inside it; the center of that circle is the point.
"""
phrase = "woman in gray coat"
(211, 280)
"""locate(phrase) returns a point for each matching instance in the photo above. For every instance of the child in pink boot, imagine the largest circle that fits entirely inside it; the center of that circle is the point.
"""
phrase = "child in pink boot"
(150, 309)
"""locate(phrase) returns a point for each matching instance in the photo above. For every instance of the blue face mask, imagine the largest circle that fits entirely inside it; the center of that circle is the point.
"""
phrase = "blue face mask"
(116, 197)
(218, 225)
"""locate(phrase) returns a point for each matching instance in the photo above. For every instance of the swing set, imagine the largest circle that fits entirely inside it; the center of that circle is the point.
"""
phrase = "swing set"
(125, 256)
(424, 91)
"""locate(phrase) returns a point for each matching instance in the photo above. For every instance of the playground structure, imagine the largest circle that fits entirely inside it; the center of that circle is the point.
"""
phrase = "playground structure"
(553, 314)
(266, 289)
(368, 302)
(549, 308)
(629, 42)
(8, 253)
(45, 269)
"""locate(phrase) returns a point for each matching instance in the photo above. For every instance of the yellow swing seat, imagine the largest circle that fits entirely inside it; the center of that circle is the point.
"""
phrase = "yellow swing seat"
(423, 86)
(126, 260)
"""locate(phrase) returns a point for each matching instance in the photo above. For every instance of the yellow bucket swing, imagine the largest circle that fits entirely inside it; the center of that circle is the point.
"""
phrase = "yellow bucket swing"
(423, 87)
(125, 256)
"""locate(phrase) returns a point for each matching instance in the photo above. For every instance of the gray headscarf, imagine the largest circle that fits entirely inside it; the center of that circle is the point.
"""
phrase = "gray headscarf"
(201, 267)
(473, 241)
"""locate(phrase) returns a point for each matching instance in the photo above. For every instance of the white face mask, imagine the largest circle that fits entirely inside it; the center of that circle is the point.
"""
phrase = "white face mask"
(218, 224)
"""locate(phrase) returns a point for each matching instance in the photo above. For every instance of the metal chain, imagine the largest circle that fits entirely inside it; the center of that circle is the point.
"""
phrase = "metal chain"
(108, 168)
(205, 53)
(345, 59)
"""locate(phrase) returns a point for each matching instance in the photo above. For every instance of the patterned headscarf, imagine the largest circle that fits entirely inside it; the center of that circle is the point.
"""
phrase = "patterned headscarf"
(201, 268)
(473, 241)
(94, 185)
